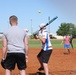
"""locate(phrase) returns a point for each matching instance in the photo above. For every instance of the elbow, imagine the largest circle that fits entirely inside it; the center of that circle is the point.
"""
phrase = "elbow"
(43, 41)
(4, 47)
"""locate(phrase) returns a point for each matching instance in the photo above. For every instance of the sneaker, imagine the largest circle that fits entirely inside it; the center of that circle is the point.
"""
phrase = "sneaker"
(41, 68)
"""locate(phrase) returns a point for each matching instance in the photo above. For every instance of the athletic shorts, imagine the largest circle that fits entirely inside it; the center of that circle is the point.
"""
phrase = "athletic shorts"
(15, 58)
(66, 45)
(44, 55)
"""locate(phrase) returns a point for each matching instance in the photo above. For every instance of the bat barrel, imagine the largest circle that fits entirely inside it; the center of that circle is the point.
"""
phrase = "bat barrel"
(52, 20)
(48, 23)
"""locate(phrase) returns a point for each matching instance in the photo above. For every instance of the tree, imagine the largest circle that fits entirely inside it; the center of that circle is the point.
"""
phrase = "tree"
(66, 28)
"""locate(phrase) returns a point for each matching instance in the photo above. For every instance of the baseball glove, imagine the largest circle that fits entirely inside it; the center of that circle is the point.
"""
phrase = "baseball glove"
(3, 63)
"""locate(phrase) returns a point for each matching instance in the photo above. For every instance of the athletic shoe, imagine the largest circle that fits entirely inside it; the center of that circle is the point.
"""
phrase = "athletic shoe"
(41, 68)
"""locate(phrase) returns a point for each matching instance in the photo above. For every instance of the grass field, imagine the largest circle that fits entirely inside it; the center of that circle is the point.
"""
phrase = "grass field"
(55, 43)
(37, 44)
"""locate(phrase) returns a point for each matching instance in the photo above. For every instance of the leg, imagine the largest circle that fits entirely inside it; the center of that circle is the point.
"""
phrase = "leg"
(21, 63)
(68, 50)
(22, 72)
(40, 62)
(7, 72)
(39, 56)
(72, 45)
(9, 67)
(68, 47)
(41, 67)
(46, 68)
(65, 50)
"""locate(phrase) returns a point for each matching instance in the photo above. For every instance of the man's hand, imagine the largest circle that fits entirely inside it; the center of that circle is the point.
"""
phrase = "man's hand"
(36, 33)
(26, 58)
(35, 36)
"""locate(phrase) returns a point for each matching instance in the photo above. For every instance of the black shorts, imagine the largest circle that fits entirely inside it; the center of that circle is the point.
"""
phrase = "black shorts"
(44, 56)
(15, 58)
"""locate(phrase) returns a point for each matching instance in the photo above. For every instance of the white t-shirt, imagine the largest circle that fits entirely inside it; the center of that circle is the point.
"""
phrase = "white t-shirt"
(47, 45)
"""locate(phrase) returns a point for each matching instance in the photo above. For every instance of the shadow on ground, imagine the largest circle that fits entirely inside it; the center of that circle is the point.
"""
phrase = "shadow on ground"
(56, 73)
(37, 73)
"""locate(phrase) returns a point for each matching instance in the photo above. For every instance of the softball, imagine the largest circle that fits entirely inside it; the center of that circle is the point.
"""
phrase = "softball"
(39, 11)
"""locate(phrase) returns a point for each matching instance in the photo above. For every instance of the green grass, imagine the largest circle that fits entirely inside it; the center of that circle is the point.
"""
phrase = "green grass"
(55, 43)
(0, 44)
(37, 44)
(34, 43)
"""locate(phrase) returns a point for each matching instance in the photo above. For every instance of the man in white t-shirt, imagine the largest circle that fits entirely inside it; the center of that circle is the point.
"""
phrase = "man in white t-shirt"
(46, 50)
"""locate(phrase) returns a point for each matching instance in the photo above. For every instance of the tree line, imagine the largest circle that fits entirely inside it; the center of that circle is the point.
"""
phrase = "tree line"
(66, 28)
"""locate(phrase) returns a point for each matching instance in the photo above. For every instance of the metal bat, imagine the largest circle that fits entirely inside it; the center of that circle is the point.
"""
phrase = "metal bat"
(45, 25)
(49, 22)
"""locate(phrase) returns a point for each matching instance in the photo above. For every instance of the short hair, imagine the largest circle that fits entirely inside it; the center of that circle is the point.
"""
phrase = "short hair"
(13, 18)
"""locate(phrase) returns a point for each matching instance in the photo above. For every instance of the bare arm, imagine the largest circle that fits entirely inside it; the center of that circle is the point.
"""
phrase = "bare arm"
(26, 47)
(4, 48)
(61, 42)
(43, 40)
(39, 37)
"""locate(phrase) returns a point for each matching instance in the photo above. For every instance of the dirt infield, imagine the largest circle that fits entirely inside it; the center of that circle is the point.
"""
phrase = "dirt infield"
(59, 63)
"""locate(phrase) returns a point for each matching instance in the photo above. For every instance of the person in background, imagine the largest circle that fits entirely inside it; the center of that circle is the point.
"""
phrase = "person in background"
(71, 41)
(15, 47)
(46, 49)
(26, 30)
(66, 41)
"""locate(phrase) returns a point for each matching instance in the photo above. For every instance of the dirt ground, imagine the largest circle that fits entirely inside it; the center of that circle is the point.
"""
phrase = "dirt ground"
(59, 63)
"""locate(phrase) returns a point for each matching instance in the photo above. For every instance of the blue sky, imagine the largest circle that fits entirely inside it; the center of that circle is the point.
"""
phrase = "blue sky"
(26, 10)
